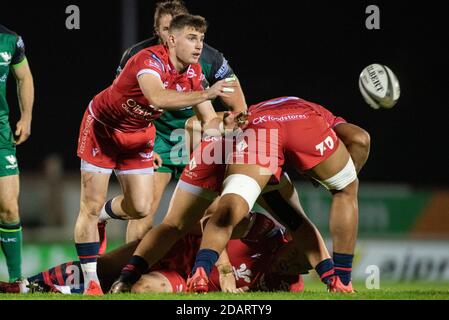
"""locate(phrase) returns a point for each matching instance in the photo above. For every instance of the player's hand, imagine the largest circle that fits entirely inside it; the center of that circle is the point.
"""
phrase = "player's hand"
(157, 162)
(223, 88)
(228, 284)
(235, 120)
(23, 131)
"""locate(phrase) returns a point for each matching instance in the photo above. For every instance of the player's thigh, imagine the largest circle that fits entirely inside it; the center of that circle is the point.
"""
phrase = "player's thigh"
(137, 188)
(349, 134)
(161, 181)
(242, 186)
(331, 165)
(94, 188)
(285, 194)
(9, 196)
(185, 209)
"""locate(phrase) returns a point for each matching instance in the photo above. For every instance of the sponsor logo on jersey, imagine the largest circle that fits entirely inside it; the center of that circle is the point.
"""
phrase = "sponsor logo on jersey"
(7, 240)
(153, 64)
(191, 73)
(6, 57)
(280, 118)
(3, 78)
(12, 162)
(140, 112)
(243, 273)
(159, 61)
(146, 155)
(20, 43)
(224, 69)
(95, 151)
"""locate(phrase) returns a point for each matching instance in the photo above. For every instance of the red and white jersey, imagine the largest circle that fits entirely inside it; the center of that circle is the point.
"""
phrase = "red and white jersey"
(124, 107)
(292, 102)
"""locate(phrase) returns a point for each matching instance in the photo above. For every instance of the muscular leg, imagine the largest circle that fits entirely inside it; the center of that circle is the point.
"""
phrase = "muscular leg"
(137, 228)
(10, 228)
(185, 210)
(230, 210)
(306, 236)
(94, 188)
(356, 140)
(136, 200)
(343, 219)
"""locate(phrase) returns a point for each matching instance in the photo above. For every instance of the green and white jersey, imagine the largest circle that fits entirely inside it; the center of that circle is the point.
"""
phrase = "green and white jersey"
(12, 54)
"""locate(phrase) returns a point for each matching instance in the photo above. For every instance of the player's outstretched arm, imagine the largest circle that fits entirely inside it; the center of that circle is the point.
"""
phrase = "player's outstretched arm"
(25, 94)
(235, 102)
(162, 98)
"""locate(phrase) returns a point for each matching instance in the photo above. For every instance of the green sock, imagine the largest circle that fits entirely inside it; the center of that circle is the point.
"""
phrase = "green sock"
(11, 242)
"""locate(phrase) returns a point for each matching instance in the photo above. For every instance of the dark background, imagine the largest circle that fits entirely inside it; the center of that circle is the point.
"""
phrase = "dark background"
(311, 49)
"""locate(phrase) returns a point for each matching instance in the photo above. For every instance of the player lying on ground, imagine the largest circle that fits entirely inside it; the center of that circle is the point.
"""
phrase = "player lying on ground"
(199, 179)
(264, 259)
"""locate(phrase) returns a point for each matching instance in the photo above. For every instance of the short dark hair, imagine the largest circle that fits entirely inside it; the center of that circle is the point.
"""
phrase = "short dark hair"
(171, 7)
(188, 20)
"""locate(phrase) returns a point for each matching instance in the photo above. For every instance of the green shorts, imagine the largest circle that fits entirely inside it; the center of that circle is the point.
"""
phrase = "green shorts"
(8, 162)
(173, 160)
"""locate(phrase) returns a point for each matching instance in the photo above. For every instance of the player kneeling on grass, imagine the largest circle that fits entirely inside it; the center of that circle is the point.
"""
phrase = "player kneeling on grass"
(263, 259)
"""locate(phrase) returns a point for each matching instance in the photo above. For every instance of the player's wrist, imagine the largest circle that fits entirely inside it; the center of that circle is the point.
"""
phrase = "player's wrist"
(225, 269)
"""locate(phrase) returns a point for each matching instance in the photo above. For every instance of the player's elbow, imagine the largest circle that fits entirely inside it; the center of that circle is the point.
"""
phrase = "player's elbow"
(156, 101)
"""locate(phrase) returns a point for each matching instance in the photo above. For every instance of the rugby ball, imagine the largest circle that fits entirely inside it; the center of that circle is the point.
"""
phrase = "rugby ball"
(379, 86)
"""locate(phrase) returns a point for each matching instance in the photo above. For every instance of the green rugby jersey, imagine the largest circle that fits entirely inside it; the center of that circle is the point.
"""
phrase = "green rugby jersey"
(12, 53)
(215, 67)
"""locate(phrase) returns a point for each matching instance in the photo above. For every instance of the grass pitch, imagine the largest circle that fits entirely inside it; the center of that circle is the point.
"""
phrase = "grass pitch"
(313, 291)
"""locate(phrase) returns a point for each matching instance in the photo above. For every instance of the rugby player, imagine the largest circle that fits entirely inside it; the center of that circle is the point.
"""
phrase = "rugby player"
(262, 260)
(284, 131)
(117, 132)
(215, 67)
(12, 57)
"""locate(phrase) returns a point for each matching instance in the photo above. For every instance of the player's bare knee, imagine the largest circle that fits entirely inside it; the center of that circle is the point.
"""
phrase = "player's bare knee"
(225, 215)
(138, 209)
(9, 212)
(362, 139)
(91, 207)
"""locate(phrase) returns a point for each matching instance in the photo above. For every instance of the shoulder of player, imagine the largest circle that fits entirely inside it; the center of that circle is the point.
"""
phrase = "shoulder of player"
(5, 30)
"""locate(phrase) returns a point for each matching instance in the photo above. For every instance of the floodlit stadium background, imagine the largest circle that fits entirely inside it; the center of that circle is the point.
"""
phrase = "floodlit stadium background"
(311, 49)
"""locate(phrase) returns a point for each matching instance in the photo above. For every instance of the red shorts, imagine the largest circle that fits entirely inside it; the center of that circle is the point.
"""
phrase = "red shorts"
(304, 137)
(297, 132)
(204, 169)
(109, 148)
